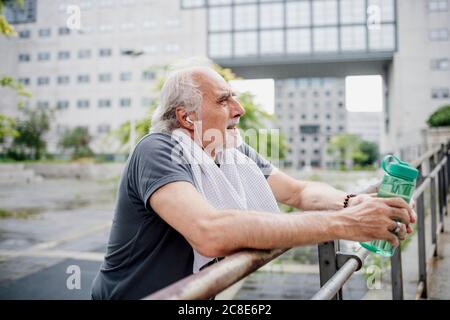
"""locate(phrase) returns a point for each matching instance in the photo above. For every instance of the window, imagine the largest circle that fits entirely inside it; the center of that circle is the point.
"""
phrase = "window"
(43, 56)
(42, 104)
(105, 52)
(298, 14)
(220, 45)
(245, 43)
(271, 42)
(63, 31)
(104, 103)
(146, 101)
(63, 55)
(24, 81)
(106, 28)
(127, 26)
(353, 38)
(44, 33)
(324, 12)
(43, 81)
(220, 19)
(106, 3)
(15, 13)
(24, 57)
(84, 53)
(104, 77)
(24, 34)
(245, 17)
(309, 129)
(352, 11)
(86, 5)
(125, 76)
(63, 79)
(440, 64)
(148, 75)
(172, 48)
(83, 104)
(83, 78)
(298, 41)
(192, 3)
(271, 15)
(103, 128)
(439, 34)
(382, 38)
(125, 102)
(437, 5)
(385, 9)
(62, 104)
(173, 23)
(150, 24)
(325, 39)
(440, 93)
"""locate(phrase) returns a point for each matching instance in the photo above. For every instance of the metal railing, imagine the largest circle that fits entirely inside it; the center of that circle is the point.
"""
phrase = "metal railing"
(335, 266)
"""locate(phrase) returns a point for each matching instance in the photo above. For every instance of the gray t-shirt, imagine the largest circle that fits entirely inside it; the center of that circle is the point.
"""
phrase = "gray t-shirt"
(144, 253)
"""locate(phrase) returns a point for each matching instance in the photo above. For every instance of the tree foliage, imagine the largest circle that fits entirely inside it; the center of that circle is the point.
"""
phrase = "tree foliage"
(349, 150)
(76, 141)
(29, 143)
(440, 118)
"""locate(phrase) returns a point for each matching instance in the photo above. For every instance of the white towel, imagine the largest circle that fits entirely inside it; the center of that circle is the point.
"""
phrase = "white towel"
(237, 184)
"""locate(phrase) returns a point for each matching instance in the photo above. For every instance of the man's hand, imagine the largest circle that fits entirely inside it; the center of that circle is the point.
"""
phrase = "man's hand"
(360, 198)
(371, 218)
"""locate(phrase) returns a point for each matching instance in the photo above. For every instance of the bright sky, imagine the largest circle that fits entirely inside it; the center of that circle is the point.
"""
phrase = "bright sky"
(263, 89)
(364, 93)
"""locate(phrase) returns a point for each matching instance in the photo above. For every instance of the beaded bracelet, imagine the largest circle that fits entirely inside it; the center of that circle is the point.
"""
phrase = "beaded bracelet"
(347, 198)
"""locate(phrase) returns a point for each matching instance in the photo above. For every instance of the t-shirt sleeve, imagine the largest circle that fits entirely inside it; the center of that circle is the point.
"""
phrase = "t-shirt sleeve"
(154, 164)
(263, 164)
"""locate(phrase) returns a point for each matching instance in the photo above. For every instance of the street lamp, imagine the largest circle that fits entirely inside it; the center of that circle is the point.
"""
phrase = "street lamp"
(133, 54)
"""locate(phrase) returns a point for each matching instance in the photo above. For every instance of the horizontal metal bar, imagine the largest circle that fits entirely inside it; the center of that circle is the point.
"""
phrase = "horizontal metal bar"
(329, 290)
(425, 157)
(427, 180)
(216, 278)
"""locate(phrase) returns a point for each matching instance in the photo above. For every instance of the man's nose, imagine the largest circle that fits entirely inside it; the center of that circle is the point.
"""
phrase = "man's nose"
(236, 109)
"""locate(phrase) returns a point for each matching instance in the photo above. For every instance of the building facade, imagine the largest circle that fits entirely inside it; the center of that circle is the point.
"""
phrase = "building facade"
(309, 112)
(104, 73)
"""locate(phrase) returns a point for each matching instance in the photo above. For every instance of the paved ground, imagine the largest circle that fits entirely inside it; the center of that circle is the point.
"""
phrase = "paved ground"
(439, 284)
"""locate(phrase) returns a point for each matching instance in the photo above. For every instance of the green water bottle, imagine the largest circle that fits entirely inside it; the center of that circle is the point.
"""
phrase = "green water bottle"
(399, 181)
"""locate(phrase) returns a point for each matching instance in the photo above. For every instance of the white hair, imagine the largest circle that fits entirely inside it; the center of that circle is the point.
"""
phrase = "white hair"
(179, 90)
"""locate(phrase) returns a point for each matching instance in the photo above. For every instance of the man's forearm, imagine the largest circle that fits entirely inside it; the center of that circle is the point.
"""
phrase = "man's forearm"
(232, 230)
(319, 196)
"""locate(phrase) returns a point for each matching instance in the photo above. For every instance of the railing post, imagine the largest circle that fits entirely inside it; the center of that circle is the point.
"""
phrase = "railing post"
(421, 243)
(440, 176)
(397, 275)
(434, 230)
(328, 264)
(445, 176)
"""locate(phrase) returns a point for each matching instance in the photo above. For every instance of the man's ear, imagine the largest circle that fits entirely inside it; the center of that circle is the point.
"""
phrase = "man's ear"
(182, 118)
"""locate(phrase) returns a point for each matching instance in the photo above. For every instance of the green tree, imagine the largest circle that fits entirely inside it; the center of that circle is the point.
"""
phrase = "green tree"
(371, 152)
(29, 142)
(76, 141)
(5, 27)
(349, 149)
(7, 124)
(440, 118)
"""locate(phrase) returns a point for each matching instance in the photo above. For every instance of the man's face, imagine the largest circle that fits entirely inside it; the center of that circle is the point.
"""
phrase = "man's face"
(220, 111)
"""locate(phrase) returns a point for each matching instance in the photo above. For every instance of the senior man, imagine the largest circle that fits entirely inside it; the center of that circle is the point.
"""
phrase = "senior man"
(191, 192)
